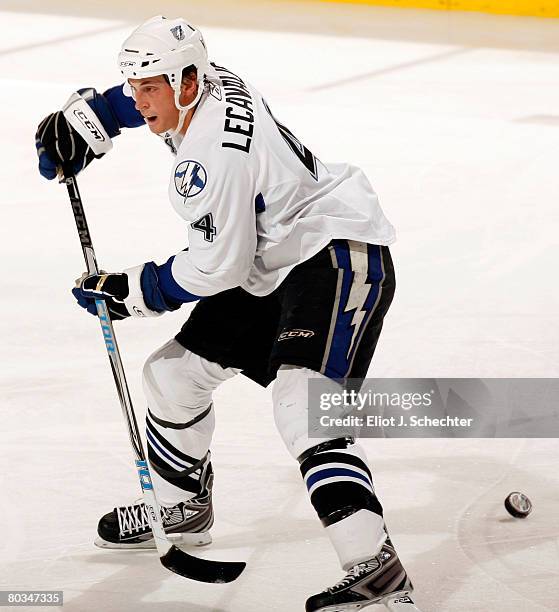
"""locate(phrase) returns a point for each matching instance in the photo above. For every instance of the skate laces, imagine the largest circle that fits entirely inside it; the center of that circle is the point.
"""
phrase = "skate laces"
(356, 572)
(135, 518)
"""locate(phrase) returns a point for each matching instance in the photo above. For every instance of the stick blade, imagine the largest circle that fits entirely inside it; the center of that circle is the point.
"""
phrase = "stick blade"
(202, 570)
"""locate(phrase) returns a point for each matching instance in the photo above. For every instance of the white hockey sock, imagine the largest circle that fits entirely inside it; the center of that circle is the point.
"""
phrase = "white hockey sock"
(335, 472)
(357, 538)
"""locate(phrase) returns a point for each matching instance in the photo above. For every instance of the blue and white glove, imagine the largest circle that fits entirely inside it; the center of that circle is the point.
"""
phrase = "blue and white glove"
(113, 288)
(135, 292)
(76, 135)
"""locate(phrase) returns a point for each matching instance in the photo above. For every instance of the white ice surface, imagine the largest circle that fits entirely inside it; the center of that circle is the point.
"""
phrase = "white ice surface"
(461, 141)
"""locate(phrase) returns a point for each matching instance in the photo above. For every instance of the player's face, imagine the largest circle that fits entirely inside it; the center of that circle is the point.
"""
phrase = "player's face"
(155, 99)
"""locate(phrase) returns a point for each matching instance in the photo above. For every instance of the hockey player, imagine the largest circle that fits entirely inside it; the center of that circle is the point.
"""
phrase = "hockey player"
(288, 261)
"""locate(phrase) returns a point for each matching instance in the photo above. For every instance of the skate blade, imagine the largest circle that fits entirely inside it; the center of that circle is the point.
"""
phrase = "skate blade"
(395, 602)
(350, 607)
(179, 539)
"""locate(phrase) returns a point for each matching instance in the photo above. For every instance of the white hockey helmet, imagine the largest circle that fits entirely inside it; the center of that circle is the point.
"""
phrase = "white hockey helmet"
(162, 46)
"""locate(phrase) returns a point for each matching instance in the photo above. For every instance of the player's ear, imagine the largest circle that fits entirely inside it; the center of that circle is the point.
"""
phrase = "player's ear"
(189, 85)
(189, 88)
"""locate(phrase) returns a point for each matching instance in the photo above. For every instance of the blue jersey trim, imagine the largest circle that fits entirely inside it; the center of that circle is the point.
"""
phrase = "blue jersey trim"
(123, 108)
(259, 204)
(161, 291)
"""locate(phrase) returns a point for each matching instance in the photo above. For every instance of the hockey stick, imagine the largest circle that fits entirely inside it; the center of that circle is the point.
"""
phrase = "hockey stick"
(171, 557)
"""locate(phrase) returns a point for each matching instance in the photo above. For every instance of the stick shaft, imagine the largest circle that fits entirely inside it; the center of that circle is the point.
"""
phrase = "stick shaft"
(105, 320)
(161, 541)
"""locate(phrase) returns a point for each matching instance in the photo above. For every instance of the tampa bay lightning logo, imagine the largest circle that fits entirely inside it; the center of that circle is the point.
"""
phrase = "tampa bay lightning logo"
(190, 178)
(178, 32)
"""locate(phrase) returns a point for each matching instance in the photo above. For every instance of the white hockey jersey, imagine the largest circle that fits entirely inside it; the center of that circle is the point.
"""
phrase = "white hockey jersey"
(257, 202)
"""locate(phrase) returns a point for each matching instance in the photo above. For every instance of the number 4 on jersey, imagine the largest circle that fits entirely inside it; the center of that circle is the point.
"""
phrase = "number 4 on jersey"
(205, 225)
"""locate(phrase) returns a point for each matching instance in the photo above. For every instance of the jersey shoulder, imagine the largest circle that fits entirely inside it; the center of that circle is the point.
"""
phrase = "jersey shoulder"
(218, 135)
(236, 101)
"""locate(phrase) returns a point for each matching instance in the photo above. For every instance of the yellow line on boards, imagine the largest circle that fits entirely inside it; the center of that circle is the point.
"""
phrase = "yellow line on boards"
(534, 8)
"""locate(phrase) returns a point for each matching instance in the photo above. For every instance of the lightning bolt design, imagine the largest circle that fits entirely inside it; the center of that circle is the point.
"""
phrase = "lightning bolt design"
(194, 180)
(358, 292)
(185, 184)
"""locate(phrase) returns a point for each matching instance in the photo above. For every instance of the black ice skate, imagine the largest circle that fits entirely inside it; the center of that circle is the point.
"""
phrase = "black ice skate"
(380, 580)
(186, 523)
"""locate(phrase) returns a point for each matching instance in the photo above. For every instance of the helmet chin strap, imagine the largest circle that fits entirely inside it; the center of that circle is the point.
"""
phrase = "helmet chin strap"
(183, 110)
(173, 133)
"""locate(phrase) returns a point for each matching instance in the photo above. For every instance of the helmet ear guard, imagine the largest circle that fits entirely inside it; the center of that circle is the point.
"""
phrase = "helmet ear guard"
(164, 46)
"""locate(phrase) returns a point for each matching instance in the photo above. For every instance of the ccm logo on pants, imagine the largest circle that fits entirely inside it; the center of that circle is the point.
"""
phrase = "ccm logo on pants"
(296, 333)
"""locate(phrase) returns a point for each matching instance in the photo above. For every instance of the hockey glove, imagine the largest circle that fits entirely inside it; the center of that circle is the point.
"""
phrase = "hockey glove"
(130, 293)
(113, 288)
(60, 144)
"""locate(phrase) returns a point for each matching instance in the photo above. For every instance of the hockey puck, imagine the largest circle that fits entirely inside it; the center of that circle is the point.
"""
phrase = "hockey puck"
(518, 505)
